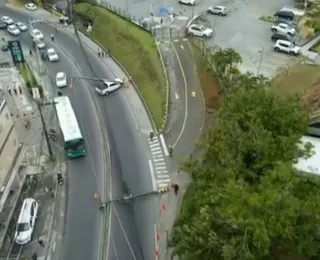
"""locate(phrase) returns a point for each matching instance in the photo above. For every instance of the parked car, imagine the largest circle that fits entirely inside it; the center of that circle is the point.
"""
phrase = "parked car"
(31, 7)
(219, 10)
(288, 15)
(7, 20)
(283, 28)
(106, 87)
(199, 30)
(187, 2)
(13, 29)
(22, 26)
(287, 47)
(283, 36)
(26, 221)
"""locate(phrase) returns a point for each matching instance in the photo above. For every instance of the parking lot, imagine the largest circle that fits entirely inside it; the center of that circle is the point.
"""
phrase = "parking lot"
(250, 37)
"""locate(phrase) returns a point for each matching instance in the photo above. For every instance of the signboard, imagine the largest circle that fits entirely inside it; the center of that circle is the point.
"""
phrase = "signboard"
(16, 51)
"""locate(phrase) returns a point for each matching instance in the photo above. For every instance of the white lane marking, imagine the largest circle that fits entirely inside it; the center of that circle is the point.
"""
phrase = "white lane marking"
(158, 160)
(157, 156)
(115, 250)
(152, 176)
(157, 152)
(163, 176)
(155, 145)
(161, 185)
(163, 180)
(54, 246)
(164, 146)
(156, 148)
(156, 238)
(162, 171)
(161, 168)
(159, 164)
(154, 140)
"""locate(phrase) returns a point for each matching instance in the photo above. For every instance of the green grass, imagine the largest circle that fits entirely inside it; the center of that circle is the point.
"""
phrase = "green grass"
(29, 78)
(316, 47)
(267, 18)
(135, 49)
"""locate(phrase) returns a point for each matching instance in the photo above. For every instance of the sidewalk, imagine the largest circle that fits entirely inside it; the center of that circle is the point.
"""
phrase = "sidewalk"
(40, 174)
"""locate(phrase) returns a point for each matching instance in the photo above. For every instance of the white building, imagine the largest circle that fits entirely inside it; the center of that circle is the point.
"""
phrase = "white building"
(10, 154)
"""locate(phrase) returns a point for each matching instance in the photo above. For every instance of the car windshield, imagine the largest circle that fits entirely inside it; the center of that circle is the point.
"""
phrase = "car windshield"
(75, 145)
(23, 227)
(36, 33)
(61, 78)
(13, 27)
(51, 52)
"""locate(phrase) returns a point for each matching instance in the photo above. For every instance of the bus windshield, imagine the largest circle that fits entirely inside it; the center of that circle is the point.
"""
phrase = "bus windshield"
(75, 145)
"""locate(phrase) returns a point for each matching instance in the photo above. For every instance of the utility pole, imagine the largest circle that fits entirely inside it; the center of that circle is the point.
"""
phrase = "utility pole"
(260, 60)
(45, 128)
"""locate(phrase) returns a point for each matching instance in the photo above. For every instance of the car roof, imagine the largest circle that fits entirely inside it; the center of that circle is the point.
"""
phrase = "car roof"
(284, 13)
(35, 30)
(219, 6)
(50, 49)
(25, 209)
(284, 41)
(60, 74)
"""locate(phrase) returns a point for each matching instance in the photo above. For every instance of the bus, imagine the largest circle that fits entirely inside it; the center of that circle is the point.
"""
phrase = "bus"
(73, 141)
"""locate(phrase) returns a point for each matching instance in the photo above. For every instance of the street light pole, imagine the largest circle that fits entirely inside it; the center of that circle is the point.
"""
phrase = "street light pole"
(260, 61)
(45, 129)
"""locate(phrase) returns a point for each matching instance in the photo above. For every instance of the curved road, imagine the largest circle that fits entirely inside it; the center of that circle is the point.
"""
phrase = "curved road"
(132, 225)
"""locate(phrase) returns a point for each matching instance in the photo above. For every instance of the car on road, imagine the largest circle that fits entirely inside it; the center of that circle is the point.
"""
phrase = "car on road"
(3, 26)
(39, 44)
(13, 29)
(287, 47)
(26, 221)
(283, 28)
(106, 87)
(200, 31)
(283, 36)
(52, 55)
(36, 34)
(22, 26)
(7, 20)
(31, 7)
(187, 2)
(219, 10)
(61, 80)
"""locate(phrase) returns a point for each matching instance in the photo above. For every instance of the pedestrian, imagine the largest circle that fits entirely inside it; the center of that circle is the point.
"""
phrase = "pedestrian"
(170, 150)
(20, 90)
(151, 136)
(30, 52)
(10, 92)
(34, 256)
(40, 241)
(176, 188)
(102, 54)
(3, 39)
(59, 178)
(99, 53)
(52, 37)
(15, 91)
(27, 124)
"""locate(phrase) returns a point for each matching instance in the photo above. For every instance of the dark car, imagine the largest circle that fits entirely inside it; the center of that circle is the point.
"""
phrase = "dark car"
(288, 15)
(280, 36)
(3, 26)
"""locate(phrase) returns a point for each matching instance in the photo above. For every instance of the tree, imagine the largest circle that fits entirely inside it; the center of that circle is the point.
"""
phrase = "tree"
(248, 200)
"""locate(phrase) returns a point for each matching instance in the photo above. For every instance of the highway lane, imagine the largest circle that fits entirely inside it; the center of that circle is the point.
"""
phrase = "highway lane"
(83, 223)
(132, 225)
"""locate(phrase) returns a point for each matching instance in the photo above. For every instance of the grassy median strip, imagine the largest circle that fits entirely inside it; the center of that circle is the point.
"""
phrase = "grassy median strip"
(135, 49)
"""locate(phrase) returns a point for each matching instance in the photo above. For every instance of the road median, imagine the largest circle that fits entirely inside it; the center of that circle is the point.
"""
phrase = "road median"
(135, 49)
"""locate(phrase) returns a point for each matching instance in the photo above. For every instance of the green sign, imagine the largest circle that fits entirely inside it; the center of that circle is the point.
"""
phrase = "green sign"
(16, 51)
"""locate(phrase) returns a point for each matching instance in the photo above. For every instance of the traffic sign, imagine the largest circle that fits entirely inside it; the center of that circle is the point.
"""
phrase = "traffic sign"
(16, 51)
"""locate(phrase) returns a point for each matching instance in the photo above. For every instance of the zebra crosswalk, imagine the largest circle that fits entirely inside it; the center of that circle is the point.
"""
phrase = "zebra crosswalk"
(160, 168)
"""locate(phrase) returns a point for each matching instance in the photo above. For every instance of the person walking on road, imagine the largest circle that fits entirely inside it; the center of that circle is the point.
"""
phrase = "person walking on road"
(15, 91)
(170, 150)
(151, 136)
(30, 52)
(99, 53)
(34, 256)
(10, 92)
(3, 39)
(40, 241)
(176, 188)
(20, 90)
(52, 37)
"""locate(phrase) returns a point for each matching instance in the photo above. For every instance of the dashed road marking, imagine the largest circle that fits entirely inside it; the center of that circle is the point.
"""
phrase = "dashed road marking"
(161, 176)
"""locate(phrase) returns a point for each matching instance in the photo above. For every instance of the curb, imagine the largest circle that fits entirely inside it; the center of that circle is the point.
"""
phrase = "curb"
(128, 76)
(166, 110)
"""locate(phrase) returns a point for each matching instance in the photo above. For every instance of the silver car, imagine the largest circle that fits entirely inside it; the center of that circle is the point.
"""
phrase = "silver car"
(219, 10)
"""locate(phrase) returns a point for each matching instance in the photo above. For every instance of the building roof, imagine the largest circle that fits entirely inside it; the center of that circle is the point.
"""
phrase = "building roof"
(311, 164)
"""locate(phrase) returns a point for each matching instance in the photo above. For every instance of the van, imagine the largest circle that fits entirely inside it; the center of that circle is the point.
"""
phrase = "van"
(26, 221)
(284, 14)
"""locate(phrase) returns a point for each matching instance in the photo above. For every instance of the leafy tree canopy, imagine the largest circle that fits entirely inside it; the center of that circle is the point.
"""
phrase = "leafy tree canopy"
(249, 202)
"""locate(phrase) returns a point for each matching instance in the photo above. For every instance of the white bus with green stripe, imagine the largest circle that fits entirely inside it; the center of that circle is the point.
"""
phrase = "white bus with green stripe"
(73, 139)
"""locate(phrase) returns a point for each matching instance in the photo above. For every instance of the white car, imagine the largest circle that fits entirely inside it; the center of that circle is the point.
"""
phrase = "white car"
(31, 7)
(219, 10)
(13, 30)
(22, 27)
(61, 80)
(106, 87)
(187, 2)
(283, 28)
(200, 30)
(39, 44)
(36, 34)
(52, 55)
(26, 221)
(7, 20)
(287, 47)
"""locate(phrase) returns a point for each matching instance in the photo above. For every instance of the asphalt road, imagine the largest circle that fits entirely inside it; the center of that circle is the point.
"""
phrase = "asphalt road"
(132, 233)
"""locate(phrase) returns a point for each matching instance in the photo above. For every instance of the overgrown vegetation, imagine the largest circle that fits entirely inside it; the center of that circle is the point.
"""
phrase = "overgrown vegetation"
(248, 200)
(29, 78)
(136, 51)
